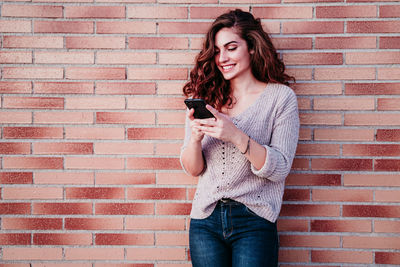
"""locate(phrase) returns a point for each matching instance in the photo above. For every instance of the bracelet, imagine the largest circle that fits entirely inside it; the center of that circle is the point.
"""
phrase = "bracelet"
(247, 147)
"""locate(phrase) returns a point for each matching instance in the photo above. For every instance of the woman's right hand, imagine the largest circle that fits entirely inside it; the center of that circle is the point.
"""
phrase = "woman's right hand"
(196, 135)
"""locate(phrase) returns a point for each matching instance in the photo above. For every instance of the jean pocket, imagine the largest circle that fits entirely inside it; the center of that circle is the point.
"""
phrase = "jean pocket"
(252, 213)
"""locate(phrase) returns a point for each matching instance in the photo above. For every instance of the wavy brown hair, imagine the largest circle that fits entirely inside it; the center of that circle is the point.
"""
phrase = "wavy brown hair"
(207, 82)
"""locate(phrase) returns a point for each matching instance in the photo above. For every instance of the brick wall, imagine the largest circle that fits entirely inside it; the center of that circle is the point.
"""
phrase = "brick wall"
(92, 122)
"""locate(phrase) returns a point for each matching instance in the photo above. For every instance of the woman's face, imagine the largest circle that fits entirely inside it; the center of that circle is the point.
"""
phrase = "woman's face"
(231, 54)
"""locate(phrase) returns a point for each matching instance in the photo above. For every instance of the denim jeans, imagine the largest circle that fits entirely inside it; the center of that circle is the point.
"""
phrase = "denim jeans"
(233, 236)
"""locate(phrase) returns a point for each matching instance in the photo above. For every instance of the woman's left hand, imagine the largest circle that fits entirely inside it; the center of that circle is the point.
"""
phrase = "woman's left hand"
(220, 127)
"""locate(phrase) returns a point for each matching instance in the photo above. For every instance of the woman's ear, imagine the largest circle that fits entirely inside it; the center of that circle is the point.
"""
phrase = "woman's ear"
(251, 52)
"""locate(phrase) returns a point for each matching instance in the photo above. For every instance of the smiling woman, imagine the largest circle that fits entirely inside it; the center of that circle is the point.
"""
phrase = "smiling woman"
(245, 152)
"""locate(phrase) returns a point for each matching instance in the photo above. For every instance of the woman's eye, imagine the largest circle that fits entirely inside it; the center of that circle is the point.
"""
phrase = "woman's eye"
(232, 48)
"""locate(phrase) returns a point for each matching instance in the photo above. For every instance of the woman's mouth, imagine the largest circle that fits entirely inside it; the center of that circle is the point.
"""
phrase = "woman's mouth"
(227, 67)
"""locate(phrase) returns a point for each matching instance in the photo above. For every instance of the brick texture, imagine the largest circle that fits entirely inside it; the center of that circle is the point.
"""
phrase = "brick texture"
(92, 119)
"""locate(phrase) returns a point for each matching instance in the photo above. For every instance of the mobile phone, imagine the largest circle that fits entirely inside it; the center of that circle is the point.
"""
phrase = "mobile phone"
(199, 106)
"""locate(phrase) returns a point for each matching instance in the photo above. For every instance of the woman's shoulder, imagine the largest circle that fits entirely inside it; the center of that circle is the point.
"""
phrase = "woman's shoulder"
(281, 91)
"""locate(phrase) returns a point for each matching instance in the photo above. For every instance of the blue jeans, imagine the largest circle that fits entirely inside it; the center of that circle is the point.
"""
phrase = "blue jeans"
(233, 236)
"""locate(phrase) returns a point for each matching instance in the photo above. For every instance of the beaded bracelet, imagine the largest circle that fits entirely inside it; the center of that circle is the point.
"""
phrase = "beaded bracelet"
(247, 147)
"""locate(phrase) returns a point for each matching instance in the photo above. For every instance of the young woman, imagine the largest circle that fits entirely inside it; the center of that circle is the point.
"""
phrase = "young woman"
(243, 155)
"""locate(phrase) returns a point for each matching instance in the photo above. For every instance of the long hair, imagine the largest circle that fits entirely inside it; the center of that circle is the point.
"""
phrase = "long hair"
(207, 82)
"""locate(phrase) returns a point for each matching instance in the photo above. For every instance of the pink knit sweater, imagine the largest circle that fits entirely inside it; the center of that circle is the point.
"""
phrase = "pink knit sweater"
(272, 121)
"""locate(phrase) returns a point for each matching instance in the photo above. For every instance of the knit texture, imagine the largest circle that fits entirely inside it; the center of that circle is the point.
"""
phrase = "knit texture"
(272, 121)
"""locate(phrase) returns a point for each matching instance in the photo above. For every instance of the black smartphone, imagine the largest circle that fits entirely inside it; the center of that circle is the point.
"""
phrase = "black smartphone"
(199, 106)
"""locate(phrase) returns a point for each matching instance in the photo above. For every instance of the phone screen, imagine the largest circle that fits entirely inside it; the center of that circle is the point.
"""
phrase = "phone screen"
(199, 106)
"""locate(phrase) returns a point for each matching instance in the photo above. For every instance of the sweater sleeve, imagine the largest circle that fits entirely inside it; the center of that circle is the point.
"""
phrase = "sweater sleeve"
(284, 138)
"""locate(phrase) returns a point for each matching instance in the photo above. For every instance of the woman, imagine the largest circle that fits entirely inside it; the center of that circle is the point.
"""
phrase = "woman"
(243, 155)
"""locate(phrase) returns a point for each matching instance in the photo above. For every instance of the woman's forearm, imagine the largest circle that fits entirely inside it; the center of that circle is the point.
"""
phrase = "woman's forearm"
(192, 158)
(252, 150)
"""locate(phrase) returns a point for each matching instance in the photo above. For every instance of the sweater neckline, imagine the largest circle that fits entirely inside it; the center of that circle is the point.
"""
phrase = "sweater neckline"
(237, 117)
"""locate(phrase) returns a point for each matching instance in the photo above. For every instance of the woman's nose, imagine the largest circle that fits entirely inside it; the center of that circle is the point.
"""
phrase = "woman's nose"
(222, 57)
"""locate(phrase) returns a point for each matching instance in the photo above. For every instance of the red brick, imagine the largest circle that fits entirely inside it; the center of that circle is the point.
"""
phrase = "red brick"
(371, 119)
(344, 74)
(387, 258)
(388, 135)
(64, 57)
(318, 149)
(64, 178)
(94, 163)
(371, 180)
(126, 27)
(313, 58)
(313, 179)
(62, 208)
(310, 210)
(125, 117)
(369, 58)
(96, 73)
(373, 26)
(168, 149)
(63, 27)
(12, 239)
(168, 118)
(33, 102)
(94, 133)
(347, 164)
(387, 42)
(387, 196)
(157, 193)
(32, 11)
(292, 225)
(14, 148)
(94, 223)
(153, 164)
(127, 88)
(386, 226)
(317, 88)
(155, 223)
(33, 42)
(321, 118)
(95, 42)
(76, 103)
(369, 242)
(15, 87)
(389, 11)
(346, 11)
(126, 58)
(16, 177)
(321, 241)
(155, 103)
(124, 208)
(172, 239)
(116, 178)
(296, 194)
(155, 133)
(341, 226)
(64, 117)
(183, 27)
(388, 73)
(157, 74)
(283, 12)
(33, 193)
(157, 12)
(15, 117)
(158, 43)
(339, 195)
(15, 208)
(344, 103)
(64, 87)
(372, 88)
(32, 223)
(94, 253)
(301, 164)
(33, 163)
(177, 58)
(158, 254)
(204, 12)
(32, 253)
(173, 208)
(19, 26)
(301, 74)
(343, 134)
(107, 12)
(124, 148)
(94, 193)
(294, 256)
(371, 211)
(387, 165)
(15, 57)
(372, 150)
(63, 148)
(45, 239)
(345, 42)
(342, 256)
(124, 239)
(389, 104)
(169, 88)
(32, 73)
(316, 27)
(312, 1)
(292, 43)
